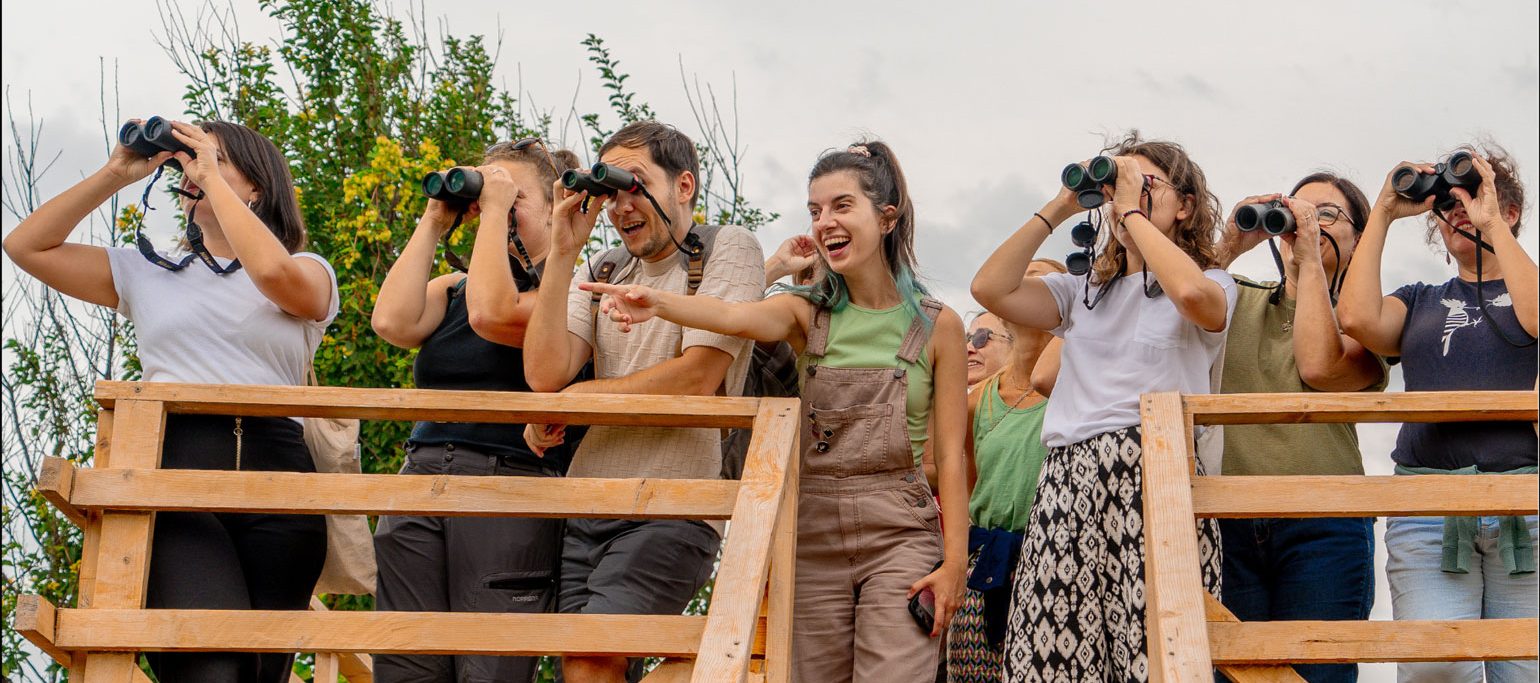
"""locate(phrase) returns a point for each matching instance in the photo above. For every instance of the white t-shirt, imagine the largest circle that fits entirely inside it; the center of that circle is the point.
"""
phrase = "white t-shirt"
(198, 327)
(1127, 346)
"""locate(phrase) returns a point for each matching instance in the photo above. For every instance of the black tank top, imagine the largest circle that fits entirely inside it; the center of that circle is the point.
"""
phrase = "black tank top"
(455, 357)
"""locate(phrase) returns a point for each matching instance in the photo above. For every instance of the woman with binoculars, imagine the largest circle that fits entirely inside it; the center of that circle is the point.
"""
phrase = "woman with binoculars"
(877, 358)
(1078, 609)
(1284, 338)
(1474, 332)
(468, 328)
(251, 312)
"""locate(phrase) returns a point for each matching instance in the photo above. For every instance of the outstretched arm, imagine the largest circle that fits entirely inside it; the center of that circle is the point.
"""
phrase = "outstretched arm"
(778, 318)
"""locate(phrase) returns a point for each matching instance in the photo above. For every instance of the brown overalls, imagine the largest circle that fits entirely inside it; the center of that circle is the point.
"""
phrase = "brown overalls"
(867, 526)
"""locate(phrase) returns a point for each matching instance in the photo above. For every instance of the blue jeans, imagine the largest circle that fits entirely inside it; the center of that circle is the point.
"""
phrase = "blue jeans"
(1420, 589)
(1300, 569)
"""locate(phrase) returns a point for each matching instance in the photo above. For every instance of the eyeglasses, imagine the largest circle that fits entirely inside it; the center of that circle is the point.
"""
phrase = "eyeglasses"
(980, 338)
(1327, 215)
(521, 145)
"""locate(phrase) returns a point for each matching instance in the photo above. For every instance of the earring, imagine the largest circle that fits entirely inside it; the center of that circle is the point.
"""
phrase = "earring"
(1446, 258)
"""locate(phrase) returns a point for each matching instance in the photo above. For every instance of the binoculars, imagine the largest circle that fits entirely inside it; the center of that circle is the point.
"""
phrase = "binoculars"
(457, 186)
(1272, 217)
(1458, 171)
(1084, 236)
(152, 137)
(602, 180)
(1087, 180)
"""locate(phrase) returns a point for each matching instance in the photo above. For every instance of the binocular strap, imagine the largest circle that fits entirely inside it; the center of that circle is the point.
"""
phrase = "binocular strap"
(194, 236)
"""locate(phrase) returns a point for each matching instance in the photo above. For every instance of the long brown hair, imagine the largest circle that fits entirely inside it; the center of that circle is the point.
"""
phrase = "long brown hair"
(259, 160)
(1194, 235)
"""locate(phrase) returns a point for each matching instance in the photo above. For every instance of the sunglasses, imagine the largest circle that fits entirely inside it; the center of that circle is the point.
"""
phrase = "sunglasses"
(980, 338)
(521, 145)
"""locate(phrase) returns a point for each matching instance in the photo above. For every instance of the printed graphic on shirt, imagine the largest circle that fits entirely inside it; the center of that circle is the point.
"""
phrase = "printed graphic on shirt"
(1461, 315)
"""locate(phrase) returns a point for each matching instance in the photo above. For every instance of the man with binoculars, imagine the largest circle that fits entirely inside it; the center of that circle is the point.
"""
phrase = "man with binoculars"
(647, 179)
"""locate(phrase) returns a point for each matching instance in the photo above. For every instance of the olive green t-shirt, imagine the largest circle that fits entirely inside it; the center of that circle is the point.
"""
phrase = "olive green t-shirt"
(868, 338)
(1259, 357)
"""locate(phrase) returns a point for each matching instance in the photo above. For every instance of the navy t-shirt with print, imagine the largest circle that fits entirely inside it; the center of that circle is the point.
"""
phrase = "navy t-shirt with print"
(1449, 344)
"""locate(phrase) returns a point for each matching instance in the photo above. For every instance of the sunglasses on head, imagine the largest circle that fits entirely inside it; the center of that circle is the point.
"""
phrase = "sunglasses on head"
(521, 145)
(980, 338)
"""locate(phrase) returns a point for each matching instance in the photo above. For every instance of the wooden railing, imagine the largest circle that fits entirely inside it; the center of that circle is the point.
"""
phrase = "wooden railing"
(1190, 632)
(115, 501)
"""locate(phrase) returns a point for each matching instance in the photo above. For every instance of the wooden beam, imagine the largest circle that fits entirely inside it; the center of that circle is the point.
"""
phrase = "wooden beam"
(1358, 496)
(90, 541)
(453, 633)
(1246, 673)
(725, 649)
(1177, 637)
(123, 563)
(356, 667)
(438, 406)
(35, 621)
(326, 668)
(1411, 406)
(1267, 642)
(671, 671)
(783, 578)
(55, 480)
(376, 494)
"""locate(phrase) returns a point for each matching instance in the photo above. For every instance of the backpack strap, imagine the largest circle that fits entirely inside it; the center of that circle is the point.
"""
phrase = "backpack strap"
(609, 262)
(919, 330)
(697, 248)
(818, 333)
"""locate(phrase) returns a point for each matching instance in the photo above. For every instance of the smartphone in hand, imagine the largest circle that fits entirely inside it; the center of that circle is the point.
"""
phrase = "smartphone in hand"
(923, 608)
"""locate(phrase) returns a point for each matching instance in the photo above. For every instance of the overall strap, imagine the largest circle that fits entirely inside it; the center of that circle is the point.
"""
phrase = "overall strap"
(919, 331)
(818, 334)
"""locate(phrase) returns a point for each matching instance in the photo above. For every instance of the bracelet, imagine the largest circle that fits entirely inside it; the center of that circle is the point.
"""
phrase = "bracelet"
(1045, 221)
(1124, 216)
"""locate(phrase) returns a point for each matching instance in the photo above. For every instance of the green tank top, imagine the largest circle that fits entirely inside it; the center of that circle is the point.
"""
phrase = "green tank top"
(866, 338)
(1008, 451)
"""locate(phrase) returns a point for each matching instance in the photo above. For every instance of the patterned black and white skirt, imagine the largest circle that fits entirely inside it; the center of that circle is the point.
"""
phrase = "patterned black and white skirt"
(1078, 610)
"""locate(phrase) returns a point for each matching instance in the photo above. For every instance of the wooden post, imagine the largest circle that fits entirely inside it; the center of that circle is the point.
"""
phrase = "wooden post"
(123, 547)
(730, 624)
(783, 579)
(1247, 673)
(1177, 637)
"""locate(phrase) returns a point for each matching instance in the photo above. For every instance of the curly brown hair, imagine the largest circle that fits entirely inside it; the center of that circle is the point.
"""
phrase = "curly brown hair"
(1193, 235)
(549, 167)
(1505, 172)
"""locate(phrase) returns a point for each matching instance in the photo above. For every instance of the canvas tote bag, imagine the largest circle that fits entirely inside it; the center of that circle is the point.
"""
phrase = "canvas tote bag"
(350, 567)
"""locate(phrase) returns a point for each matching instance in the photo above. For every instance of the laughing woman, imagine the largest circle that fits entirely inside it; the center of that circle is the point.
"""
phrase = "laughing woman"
(1078, 611)
(877, 359)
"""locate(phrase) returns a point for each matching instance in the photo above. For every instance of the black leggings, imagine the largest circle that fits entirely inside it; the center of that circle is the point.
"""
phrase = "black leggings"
(204, 560)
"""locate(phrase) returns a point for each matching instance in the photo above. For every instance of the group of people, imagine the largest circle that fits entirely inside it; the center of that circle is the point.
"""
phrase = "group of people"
(952, 515)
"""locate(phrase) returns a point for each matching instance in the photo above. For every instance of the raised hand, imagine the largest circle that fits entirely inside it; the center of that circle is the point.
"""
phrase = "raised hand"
(1484, 210)
(1306, 238)
(1234, 242)
(1395, 206)
(570, 226)
(203, 169)
(128, 167)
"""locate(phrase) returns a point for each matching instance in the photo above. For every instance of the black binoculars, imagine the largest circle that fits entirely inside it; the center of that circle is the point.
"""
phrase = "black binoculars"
(1084, 236)
(1458, 171)
(602, 180)
(1088, 179)
(457, 186)
(152, 137)
(1272, 217)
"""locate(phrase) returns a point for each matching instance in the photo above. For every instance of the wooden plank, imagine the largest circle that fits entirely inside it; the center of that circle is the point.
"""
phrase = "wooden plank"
(1365, 496)
(354, 666)
(55, 479)
(455, 633)
(35, 621)
(1246, 673)
(1410, 406)
(438, 406)
(375, 494)
(123, 562)
(1261, 642)
(326, 668)
(671, 671)
(783, 577)
(1178, 640)
(90, 542)
(725, 649)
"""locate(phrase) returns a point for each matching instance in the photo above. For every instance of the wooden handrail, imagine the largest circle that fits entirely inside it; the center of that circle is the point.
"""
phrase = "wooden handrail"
(116, 499)
(1262, 651)
(629, 410)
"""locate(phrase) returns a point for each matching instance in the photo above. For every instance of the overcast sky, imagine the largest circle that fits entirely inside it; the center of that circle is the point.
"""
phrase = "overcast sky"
(984, 102)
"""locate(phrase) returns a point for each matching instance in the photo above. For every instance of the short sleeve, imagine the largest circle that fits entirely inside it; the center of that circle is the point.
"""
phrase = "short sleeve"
(580, 320)
(1408, 294)
(124, 262)
(1063, 287)
(735, 272)
(336, 302)
(1227, 283)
